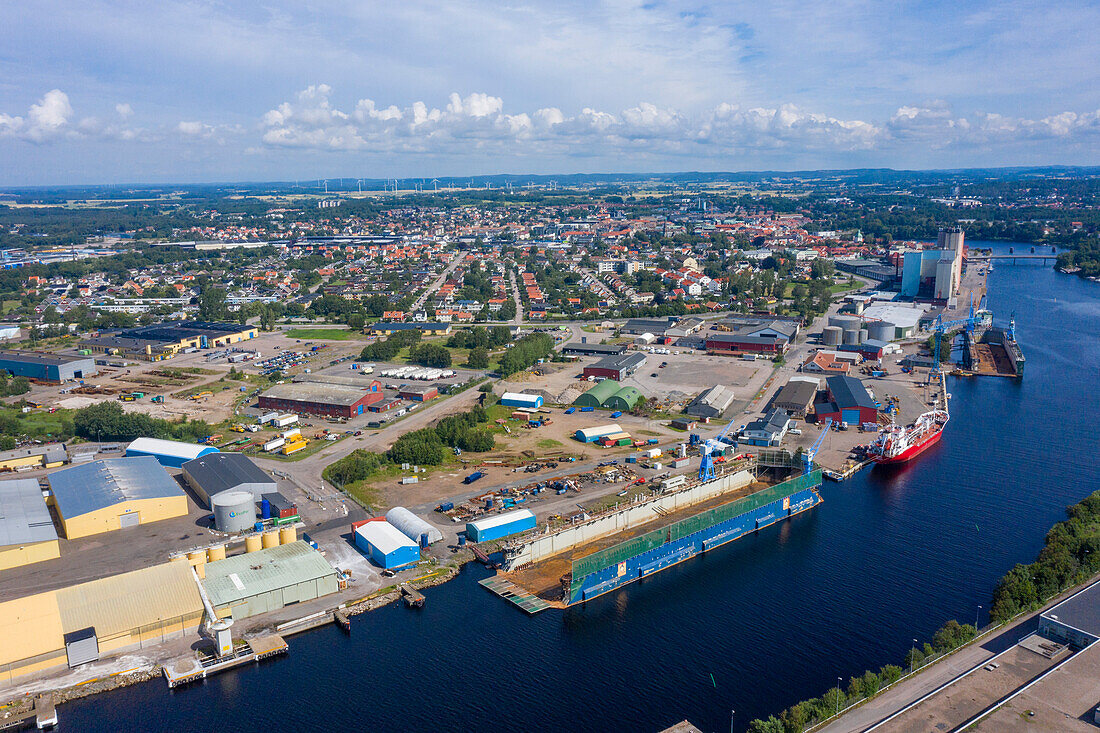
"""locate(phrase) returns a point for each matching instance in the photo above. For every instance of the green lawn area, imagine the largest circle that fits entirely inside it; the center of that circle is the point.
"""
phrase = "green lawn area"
(325, 334)
(549, 444)
(8, 306)
(842, 287)
(40, 422)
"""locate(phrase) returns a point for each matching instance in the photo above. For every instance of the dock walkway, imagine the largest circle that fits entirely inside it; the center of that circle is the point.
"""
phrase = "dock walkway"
(194, 668)
(512, 593)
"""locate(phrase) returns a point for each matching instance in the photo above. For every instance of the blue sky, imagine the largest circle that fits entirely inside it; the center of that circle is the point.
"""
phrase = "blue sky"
(103, 92)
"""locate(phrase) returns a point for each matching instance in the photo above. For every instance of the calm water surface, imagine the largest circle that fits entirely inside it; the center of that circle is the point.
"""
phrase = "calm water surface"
(774, 618)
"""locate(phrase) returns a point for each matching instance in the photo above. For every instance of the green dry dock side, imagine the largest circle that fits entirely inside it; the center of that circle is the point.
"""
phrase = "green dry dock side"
(598, 560)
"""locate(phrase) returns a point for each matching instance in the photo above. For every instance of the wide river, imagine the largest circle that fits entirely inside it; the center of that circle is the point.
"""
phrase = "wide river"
(772, 619)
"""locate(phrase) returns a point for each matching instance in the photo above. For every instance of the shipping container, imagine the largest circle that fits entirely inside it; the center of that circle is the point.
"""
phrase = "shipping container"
(473, 477)
(445, 506)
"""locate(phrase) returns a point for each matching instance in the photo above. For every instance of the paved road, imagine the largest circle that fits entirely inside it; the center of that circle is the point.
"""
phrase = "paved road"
(307, 472)
(438, 283)
(518, 320)
(870, 715)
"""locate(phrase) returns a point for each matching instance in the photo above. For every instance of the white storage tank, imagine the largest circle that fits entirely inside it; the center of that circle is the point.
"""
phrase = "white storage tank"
(832, 335)
(234, 511)
(863, 333)
(412, 526)
(851, 337)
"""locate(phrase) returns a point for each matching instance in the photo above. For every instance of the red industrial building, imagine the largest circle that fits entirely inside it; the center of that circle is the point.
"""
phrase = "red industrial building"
(418, 394)
(316, 398)
(617, 367)
(848, 401)
(748, 344)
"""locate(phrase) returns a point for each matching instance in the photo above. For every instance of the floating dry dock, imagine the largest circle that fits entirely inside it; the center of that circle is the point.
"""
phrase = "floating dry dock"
(590, 574)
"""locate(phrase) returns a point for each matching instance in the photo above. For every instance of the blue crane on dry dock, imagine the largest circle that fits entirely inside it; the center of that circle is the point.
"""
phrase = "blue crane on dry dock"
(706, 451)
(809, 455)
(940, 327)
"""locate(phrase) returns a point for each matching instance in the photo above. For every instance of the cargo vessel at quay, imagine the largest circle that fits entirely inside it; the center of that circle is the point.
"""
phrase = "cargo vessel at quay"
(901, 443)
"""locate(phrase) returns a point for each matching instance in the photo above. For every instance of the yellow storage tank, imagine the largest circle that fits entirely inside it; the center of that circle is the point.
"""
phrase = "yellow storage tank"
(197, 558)
(215, 553)
(288, 535)
(252, 543)
(270, 539)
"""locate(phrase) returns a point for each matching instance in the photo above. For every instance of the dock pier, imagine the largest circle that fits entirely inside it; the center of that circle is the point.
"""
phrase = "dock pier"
(412, 597)
(191, 669)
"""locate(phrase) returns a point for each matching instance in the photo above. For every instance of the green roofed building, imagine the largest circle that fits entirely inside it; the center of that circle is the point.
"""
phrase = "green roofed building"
(624, 399)
(596, 396)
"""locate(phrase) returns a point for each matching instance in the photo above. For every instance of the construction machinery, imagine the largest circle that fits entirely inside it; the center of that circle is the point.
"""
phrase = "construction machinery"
(810, 454)
(968, 324)
(707, 449)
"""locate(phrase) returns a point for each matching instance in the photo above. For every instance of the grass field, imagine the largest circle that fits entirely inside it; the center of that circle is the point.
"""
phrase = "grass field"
(325, 334)
(549, 444)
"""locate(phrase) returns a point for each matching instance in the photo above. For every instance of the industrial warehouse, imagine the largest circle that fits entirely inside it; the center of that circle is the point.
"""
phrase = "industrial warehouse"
(316, 398)
(215, 473)
(165, 340)
(609, 395)
(617, 367)
(27, 534)
(114, 493)
(169, 453)
(51, 368)
(269, 579)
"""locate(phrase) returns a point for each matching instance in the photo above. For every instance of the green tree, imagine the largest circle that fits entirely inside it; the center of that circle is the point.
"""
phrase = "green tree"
(212, 303)
(478, 359)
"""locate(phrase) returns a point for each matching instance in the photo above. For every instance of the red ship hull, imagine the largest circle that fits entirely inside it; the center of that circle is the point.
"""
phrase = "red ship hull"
(914, 450)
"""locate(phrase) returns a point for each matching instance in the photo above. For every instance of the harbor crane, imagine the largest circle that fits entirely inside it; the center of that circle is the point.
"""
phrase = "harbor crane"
(706, 452)
(940, 327)
(810, 454)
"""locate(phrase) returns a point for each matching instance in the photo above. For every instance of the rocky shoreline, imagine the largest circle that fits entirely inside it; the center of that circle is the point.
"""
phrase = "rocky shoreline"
(125, 679)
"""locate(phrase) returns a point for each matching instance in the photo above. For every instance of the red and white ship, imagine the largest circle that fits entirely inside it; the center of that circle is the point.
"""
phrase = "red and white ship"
(898, 443)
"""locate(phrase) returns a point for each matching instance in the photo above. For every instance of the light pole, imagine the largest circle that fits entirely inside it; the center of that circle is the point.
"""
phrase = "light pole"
(838, 681)
(976, 619)
(912, 656)
(731, 721)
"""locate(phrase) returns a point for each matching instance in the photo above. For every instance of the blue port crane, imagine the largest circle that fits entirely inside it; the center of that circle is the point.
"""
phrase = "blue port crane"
(706, 452)
(940, 327)
(809, 455)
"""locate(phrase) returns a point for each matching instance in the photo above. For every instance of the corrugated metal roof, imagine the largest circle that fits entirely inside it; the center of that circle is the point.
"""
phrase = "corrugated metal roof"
(27, 357)
(156, 446)
(320, 393)
(263, 571)
(51, 453)
(29, 626)
(849, 392)
(24, 516)
(220, 472)
(384, 536)
(501, 519)
(82, 489)
(122, 602)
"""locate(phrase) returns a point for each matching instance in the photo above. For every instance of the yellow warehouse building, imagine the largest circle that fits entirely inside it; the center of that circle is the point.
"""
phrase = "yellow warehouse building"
(27, 533)
(113, 494)
(122, 611)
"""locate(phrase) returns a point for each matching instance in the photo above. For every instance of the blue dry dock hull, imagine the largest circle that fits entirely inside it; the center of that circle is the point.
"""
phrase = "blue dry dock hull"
(615, 576)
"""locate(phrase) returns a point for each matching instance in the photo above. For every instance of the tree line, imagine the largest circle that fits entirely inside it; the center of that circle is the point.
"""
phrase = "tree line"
(425, 447)
(525, 353)
(799, 716)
